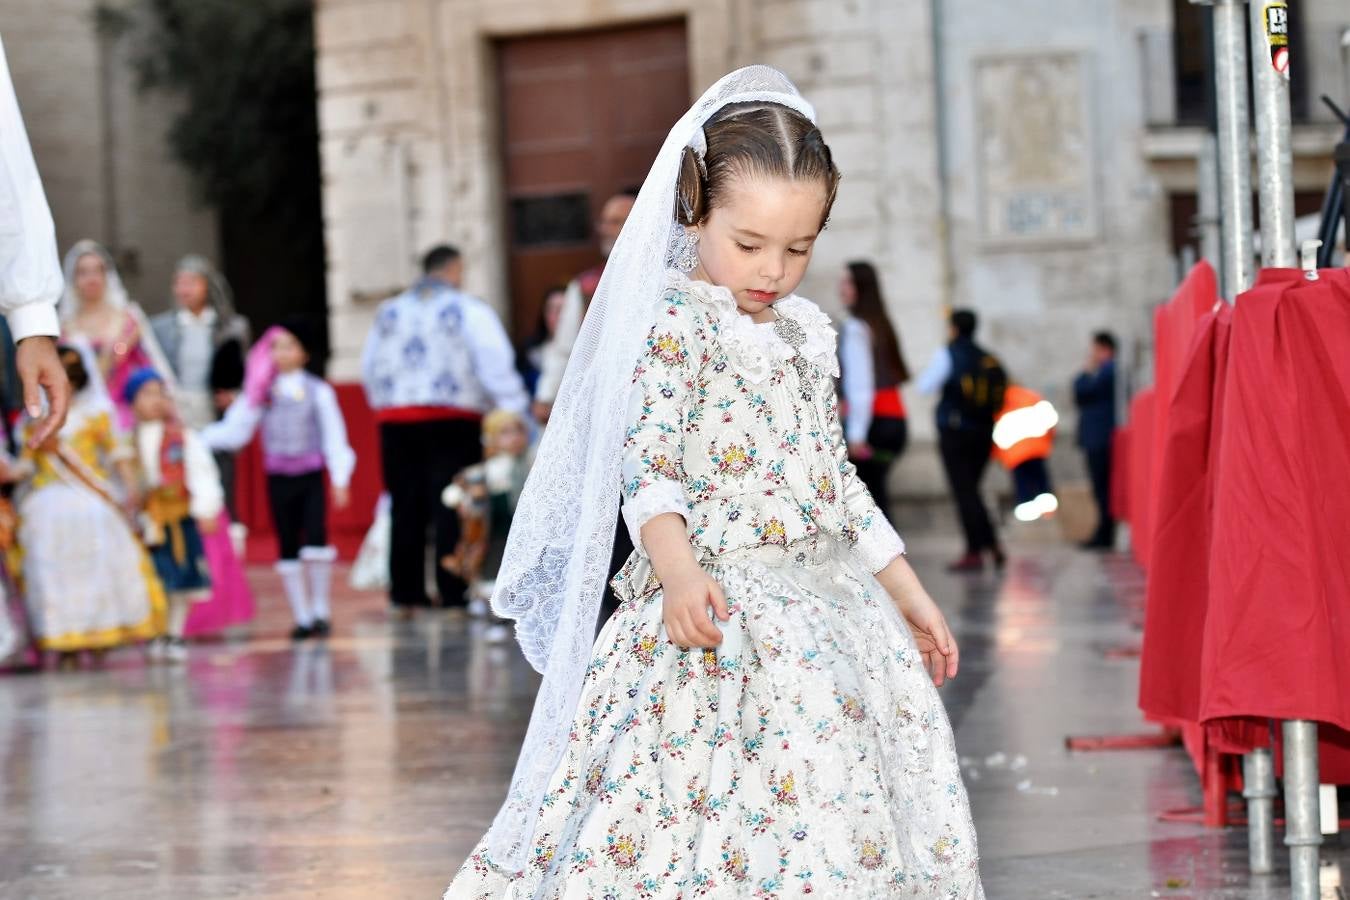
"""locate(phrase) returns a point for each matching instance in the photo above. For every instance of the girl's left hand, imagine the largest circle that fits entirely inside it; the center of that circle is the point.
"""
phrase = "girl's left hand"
(341, 497)
(206, 526)
(926, 622)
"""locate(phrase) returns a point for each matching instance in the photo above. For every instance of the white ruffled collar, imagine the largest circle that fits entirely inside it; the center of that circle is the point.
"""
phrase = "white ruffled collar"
(755, 348)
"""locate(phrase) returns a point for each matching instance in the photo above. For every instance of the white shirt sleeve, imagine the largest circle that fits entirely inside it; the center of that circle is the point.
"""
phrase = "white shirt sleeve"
(208, 497)
(30, 273)
(860, 383)
(494, 358)
(233, 432)
(338, 455)
(559, 349)
(936, 373)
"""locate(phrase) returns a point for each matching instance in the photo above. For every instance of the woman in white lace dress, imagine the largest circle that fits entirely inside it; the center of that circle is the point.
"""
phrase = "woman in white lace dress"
(759, 718)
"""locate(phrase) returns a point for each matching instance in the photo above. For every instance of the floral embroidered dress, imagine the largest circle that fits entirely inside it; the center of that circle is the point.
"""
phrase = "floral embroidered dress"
(809, 753)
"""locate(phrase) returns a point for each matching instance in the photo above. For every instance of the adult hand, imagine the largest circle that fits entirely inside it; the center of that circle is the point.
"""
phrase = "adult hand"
(40, 370)
(860, 450)
(541, 411)
(207, 526)
(342, 497)
(684, 608)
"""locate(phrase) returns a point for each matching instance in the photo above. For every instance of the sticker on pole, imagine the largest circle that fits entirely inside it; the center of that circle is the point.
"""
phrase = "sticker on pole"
(1277, 35)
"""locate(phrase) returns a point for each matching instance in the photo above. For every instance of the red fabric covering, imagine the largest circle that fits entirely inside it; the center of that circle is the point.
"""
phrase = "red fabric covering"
(1174, 325)
(1178, 574)
(1141, 474)
(1247, 597)
(346, 527)
(1279, 615)
(1120, 474)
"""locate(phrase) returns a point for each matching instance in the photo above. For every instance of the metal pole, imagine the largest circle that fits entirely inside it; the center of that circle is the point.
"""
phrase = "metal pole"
(1235, 172)
(1207, 200)
(1258, 786)
(1303, 831)
(1274, 153)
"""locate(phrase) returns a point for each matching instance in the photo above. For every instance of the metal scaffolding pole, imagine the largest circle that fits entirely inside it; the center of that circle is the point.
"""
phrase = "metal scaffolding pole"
(1235, 276)
(1303, 831)
(1274, 151)
(1235, 171)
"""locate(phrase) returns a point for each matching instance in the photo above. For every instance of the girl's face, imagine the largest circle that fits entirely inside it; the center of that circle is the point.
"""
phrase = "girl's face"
(758, 243)
(91, 279)
(151, 403)
(553, 305)
(287, 353)
(848, 291)
(189, 289)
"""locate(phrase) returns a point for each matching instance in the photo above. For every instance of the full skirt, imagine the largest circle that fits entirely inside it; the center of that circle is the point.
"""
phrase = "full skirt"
(89, 583)
(808, 754)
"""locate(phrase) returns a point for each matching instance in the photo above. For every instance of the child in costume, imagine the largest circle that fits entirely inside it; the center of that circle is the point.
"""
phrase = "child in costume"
(760, 717)
(303, 435)
(182, 502)
(485, 496)
(89, 584)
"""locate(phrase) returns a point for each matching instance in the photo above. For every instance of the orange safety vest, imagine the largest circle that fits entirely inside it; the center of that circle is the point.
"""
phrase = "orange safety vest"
(1025, 428)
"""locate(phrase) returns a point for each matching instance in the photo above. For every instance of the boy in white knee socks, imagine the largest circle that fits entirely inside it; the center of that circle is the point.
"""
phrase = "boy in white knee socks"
(303, 435)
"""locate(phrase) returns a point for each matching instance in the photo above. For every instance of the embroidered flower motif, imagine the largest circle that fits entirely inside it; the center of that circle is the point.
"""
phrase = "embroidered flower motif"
(944, 850)
(772, 532)
(595, 779)
(623, 851)
(733, 861)
(736, 460)
(851, 707)
(871, 855)
(668, 349)
(785, 791)
(644, 648)
(663, 465)
(543, 854)
(825, 492)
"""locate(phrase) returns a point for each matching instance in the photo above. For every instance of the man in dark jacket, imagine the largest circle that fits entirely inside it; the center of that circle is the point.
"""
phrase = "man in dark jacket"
(972, 383)
(1095, 393)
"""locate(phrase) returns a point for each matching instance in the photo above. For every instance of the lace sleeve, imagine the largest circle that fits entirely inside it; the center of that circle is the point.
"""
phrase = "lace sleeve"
(653, 450)
(876, 543)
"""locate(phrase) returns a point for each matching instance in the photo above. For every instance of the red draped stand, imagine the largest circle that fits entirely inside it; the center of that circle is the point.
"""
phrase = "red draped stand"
(1237, 489)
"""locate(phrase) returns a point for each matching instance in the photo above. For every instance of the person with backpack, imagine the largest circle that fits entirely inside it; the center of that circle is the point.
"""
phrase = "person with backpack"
(971, 383)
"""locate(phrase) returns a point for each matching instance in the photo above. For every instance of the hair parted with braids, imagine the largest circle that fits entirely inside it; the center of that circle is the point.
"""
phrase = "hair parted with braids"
(762, 140)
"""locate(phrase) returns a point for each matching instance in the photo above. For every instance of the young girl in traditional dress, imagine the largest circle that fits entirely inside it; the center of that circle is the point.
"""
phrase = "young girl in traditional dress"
(760, 717)
(89, 583)
(303, 435)
(183, 500)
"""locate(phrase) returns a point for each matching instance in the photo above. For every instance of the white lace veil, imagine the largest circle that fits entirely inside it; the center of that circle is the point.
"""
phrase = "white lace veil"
(115, 295)
(558, 553)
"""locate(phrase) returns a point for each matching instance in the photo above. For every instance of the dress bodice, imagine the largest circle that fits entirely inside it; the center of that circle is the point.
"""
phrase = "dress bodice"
(737, 430)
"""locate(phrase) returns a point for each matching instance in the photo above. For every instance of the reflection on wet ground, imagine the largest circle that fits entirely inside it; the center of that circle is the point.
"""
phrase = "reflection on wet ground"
(369, 766)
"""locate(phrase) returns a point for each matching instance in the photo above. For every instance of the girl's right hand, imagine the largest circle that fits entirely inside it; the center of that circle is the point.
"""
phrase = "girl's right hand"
(686, 597)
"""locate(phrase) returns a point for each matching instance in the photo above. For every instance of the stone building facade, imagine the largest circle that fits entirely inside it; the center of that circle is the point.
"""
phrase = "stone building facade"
(100, 143)
(1021, 158)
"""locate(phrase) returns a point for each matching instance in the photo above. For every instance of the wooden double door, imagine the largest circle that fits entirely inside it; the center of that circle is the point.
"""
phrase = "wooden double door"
(582, 117)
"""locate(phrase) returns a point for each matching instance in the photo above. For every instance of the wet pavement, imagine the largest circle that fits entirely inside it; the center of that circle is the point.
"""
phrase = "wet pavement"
(369, 766)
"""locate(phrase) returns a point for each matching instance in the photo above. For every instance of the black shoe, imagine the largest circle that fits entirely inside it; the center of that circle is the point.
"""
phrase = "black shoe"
(302, 633)
(321, 628)
(1000, 558)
